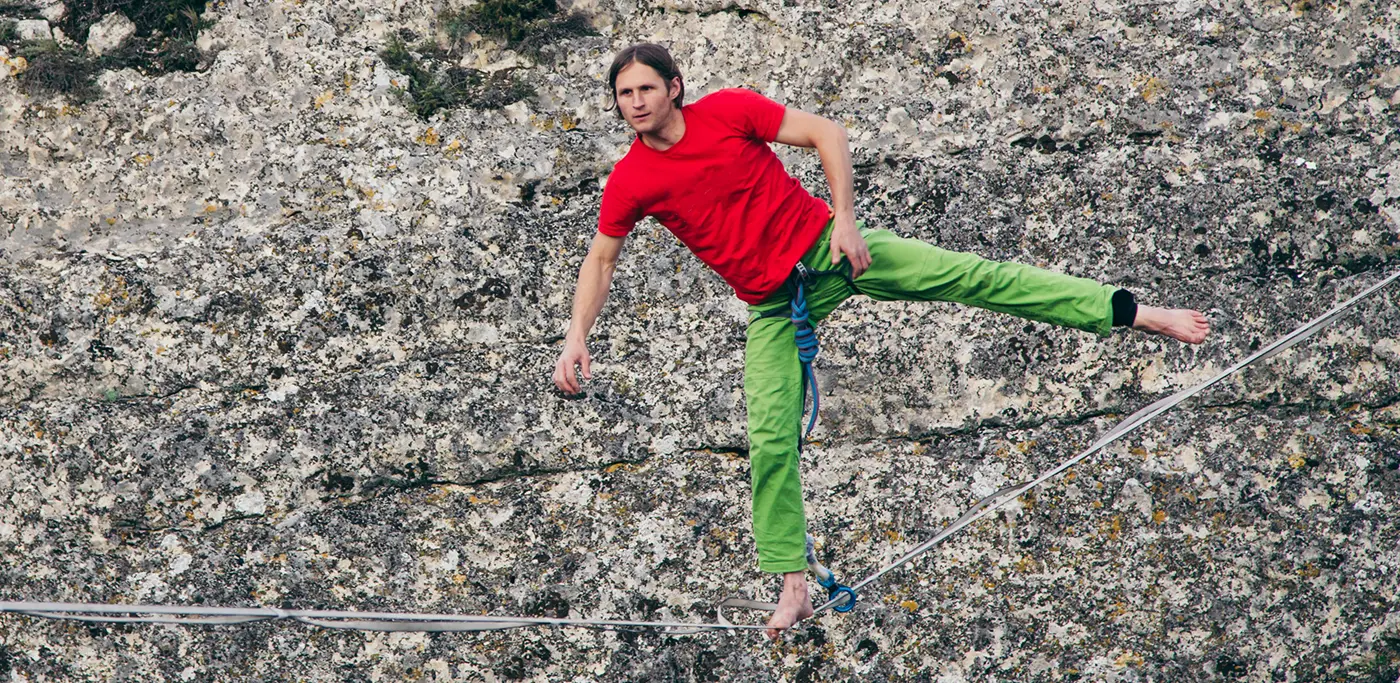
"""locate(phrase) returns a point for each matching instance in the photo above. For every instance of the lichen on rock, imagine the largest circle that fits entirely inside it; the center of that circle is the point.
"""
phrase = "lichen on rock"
(269, 337)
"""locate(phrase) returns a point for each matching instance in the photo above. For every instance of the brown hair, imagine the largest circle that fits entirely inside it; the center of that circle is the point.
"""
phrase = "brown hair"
(652, 55)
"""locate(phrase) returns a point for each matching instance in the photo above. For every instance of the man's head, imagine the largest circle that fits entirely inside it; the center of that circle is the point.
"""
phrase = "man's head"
(646, 86)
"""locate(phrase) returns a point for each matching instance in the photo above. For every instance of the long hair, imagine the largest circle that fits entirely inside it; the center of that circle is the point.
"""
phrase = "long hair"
(652, 55)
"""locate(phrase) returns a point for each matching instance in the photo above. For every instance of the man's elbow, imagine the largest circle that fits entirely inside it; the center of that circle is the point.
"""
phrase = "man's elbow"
(604, 258)
(831, 132)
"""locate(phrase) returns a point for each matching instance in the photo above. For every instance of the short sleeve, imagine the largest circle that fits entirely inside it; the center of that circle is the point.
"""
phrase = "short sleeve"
(752, 113)
(618, 213)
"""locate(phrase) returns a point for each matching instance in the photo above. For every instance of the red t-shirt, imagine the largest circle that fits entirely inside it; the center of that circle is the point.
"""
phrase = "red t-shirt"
(722, 192)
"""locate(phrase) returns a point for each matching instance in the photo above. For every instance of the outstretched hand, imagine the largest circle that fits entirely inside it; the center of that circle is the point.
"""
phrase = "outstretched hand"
(847, 241)
(574, 355)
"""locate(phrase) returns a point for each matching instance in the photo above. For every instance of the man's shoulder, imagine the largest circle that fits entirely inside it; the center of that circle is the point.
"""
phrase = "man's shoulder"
(728, 97)
(627, 169)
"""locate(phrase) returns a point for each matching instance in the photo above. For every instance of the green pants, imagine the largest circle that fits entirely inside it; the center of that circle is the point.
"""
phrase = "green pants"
(900, 270)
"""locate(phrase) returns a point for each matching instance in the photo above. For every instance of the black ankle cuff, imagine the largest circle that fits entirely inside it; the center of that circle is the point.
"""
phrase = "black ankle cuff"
(1124, 308)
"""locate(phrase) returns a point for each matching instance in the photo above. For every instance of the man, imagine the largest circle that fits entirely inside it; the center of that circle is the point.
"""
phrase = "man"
(705, 171)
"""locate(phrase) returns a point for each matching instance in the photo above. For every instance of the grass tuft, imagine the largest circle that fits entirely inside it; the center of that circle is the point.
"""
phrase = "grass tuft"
(435, 83)
(166, 31)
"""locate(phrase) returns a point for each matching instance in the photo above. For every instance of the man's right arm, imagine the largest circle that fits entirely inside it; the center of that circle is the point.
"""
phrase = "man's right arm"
(594, 279)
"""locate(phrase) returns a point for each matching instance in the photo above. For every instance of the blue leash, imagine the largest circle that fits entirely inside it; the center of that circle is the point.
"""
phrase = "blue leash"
(807, 348)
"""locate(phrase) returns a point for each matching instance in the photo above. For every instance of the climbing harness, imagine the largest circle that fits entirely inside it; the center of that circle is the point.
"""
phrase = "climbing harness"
(841, 598)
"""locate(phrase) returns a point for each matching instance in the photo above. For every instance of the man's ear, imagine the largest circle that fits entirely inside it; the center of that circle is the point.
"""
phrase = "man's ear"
(673, 88)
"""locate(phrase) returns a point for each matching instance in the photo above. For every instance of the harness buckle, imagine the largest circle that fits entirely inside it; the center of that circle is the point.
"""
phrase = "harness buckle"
(803, 272)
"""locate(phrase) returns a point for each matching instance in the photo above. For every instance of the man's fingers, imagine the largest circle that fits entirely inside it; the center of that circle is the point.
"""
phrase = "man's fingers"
(587, 369)
(564, 376)
(559, 375)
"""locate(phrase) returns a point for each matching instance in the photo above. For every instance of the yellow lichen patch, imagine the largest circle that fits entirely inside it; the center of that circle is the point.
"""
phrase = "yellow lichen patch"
(1309, 571)
(1152, 88)
(1070, 475)
(893, 535)
(1026, 446)
(322, 99)
(1116, 609)
(459, 579)
(211, 208)
(910, 605)
(1112, 529)
(142, 159)
(1159, 516)
(955, 37)
(1128, 659)
(17, 65)
(429, 137)
(348, 81)
(1359, 429)
(453, 150)
(1297, 461)
(1262, 114)
(1026, 564)
(567, 122)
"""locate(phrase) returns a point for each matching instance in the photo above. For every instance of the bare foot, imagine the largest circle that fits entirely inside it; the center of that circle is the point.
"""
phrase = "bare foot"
(794, 605)
(1178, 323)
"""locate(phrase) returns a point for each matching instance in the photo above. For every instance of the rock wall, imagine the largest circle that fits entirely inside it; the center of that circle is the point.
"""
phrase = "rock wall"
(266, 338)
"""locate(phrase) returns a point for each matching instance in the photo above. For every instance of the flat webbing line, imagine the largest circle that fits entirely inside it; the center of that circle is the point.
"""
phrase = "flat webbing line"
(345, 620)
(989, 504)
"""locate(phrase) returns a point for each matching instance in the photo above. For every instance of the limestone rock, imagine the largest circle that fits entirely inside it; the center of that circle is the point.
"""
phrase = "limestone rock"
(55, 12)
(268, 338)
(110, 33)
(33, 29)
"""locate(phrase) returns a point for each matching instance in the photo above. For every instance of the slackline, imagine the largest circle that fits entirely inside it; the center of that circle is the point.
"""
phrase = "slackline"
(396, 621)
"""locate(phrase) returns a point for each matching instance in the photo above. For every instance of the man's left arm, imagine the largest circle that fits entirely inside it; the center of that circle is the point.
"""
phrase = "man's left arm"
(803, 129)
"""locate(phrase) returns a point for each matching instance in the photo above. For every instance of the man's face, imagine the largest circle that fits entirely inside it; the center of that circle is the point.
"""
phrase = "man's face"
(644, 98)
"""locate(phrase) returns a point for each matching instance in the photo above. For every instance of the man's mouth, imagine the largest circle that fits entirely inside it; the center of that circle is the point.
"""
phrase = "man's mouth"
(639, 117)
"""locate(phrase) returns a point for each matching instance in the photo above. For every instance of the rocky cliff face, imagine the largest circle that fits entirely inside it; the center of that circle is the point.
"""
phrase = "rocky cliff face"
(267, 337)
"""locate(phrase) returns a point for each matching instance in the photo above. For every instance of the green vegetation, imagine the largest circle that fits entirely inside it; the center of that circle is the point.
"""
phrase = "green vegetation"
(54, 68)
(435, 80)
(436, 83)
(528, 26)
(164, 42)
